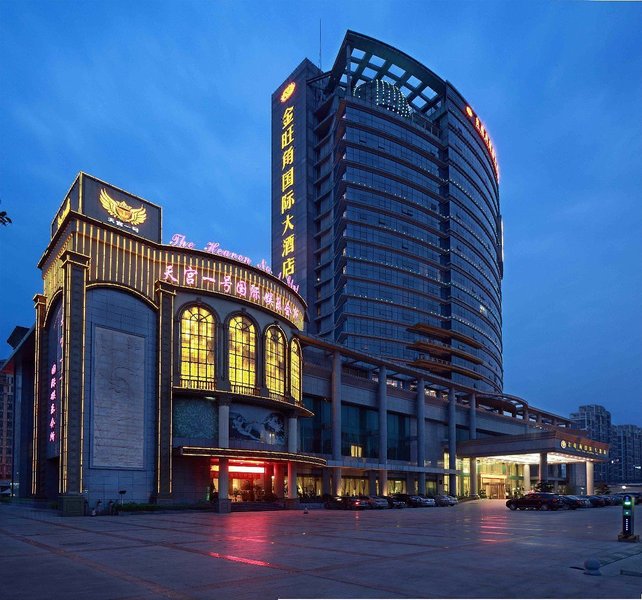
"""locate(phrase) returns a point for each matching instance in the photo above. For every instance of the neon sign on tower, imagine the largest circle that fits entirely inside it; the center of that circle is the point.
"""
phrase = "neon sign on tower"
(288, 240)
(481, 129)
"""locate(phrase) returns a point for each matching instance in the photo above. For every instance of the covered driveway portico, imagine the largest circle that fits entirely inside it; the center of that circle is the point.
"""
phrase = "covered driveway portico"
(541, 448)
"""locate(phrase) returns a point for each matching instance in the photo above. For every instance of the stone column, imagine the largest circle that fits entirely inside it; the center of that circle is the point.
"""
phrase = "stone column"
(326, 483)
(293, 431)
(590, 481)
(40, 399)
(383, 482)
(165, 297)
(421, 483)
(543, 467)
(336, 481)
(224, 505)
(267, 480)
(452, 441)
(474, 491)
(473, 417)
(224, 424)
(382, 398)
(75, 267)
(372, 483)
(411, 483)
(527, 478)
(292, 501)
(278, 480)
(336, 407)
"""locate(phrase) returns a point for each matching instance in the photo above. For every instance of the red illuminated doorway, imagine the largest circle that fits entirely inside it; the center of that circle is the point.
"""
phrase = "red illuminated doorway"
(249, 481)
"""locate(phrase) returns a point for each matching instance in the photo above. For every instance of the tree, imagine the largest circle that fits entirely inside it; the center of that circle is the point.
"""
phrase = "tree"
(4, 218)
(543, 486)
(603, 489)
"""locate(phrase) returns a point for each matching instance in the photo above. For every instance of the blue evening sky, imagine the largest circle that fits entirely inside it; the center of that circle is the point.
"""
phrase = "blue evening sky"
(171, 101)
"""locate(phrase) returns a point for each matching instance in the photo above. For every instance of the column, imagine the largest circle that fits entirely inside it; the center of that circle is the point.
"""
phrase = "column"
(452, 441)
(527, 479)
(383, 482)
(590, 483)
(543, 467)
(72, 411)
(411, 483)
(382, 398)
(336, 408)
(473, 417)
(292, 501)
(336, 481)
(165, 298)
(224, 504)
(293, 431)
(278, 480)
(372, 483)
(40, 399)
(473, 477)
(224, 424)
(421, 483)
(326, 483)
(267, 479)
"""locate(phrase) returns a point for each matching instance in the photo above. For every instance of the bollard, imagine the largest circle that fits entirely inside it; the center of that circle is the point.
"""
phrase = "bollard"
(628, 521)
(592, 567)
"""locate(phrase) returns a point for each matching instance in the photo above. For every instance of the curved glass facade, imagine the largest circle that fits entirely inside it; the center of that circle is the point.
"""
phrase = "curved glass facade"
(397, 216)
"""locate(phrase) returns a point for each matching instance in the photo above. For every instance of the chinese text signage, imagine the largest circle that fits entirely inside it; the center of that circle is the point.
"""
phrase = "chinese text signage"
(288, 240)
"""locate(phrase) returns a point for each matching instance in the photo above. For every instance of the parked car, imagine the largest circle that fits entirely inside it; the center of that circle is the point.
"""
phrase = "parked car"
(443, 500)
(425, 501)
(596, 501)
(412, 500)
(358, 502)
(335, 503)
(537, 501)
(378, 502)
(395, 502)
(573, 502)
(452, 499)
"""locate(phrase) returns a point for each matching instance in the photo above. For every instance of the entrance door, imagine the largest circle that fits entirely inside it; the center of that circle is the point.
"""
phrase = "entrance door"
(495, 489)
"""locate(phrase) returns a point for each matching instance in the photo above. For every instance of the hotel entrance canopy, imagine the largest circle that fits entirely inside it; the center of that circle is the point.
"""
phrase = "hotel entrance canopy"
(559, 446)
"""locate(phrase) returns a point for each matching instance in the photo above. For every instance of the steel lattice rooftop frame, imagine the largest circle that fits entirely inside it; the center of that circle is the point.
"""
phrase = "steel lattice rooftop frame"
(361, 59)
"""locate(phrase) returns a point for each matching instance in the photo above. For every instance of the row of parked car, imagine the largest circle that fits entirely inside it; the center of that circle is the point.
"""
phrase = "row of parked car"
(393, 501)
(550, 501)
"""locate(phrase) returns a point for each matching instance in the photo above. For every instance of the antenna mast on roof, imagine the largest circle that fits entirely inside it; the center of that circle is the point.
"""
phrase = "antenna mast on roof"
(320, 67)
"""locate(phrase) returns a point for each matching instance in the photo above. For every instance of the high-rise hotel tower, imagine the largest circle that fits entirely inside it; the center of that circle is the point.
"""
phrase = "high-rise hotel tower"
(385, 212)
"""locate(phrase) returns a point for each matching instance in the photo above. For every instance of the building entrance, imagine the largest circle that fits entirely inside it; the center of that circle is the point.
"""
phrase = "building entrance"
(494, 488)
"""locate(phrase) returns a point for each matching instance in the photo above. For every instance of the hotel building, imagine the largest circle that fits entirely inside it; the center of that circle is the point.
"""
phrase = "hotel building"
(170, 373)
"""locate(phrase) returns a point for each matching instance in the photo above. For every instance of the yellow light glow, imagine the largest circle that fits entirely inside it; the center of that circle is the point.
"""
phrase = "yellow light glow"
(288, 91)
(240, 469)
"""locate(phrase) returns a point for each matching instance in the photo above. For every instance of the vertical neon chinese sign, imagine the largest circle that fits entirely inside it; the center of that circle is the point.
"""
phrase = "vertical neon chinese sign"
(55, 382)
(288, 244)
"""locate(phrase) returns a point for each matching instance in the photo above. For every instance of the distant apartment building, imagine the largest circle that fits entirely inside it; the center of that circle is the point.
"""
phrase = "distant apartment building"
(626, 454)
(6, 425)
(596, 420)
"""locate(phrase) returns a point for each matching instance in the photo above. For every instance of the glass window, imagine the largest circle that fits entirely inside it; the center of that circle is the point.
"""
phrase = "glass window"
(295, 371)
(197, 348)
(242, 350)
(275, 361)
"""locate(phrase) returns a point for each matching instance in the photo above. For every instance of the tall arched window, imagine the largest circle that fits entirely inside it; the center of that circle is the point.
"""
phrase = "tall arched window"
(197, 348)
(295, 371)
(242, 352)
(275, 361)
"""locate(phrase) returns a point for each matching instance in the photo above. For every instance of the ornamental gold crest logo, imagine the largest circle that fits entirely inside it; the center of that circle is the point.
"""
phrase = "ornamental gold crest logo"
(122, 211)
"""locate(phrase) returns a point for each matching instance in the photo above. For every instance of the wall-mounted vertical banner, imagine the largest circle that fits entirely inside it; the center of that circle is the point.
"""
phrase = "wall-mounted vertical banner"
(288, 200)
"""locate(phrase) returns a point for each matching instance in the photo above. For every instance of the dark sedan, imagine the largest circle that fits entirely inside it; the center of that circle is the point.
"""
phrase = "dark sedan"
(537, 501)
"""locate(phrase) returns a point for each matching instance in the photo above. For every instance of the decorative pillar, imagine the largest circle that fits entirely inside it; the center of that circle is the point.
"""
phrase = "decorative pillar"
(165, 297)
(474, 491)
(382, 397)
(543, 467)
(293, 430)
(473, 417)
(278, 480)
(336, 407)
(383, 482)
(326, 483)
(527, 478)
(224, 424)
(421, 435)
(72, 405)
(590, 482)
(267, 480)
(292, 501)
(336, 481)
(40, 397)
(452, 441)
(411, 483)
(223, 504)
(372, 483)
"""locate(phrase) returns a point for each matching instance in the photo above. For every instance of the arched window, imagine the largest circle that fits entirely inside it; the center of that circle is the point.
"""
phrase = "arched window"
(275, 361)
(197, 348)
(242, 352)
(295, 371)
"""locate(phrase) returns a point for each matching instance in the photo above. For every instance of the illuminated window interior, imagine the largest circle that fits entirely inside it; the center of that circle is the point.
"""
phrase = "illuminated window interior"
(356, 451)
(197, 348)
(242, 348)
(275, 361)
(295, 371)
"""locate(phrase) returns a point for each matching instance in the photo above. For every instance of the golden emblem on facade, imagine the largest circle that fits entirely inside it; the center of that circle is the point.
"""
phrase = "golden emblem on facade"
(122, 211)
(288, 91)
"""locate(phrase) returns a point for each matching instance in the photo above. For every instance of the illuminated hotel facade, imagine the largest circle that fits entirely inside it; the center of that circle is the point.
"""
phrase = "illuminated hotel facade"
(177, 374)
(386, 213)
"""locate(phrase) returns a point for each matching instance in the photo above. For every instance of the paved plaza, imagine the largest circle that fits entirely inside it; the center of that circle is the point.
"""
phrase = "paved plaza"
(475, 550)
